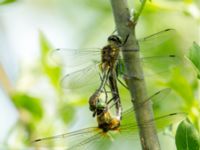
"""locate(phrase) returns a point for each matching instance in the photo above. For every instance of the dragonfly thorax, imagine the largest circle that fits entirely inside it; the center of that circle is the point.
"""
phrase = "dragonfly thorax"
(106, 122)
(109, 55)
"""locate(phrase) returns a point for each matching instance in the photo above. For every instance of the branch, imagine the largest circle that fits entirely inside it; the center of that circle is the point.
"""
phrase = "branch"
(136, 15)
(136, 84)
(4, 81)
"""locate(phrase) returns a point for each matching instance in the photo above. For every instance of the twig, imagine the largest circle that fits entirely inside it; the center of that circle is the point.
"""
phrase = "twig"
(136, 15)
(136, 83)
(4, 81)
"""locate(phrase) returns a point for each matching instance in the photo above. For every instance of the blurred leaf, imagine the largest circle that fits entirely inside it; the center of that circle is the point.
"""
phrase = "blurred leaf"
(194, 57)
(26, 103)
(187, 137)
(67, 113)
(98, 5)
(186, 93)
(53, 72)
(7, 2)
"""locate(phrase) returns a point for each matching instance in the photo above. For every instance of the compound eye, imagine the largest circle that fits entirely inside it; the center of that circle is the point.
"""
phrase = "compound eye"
(115, 39)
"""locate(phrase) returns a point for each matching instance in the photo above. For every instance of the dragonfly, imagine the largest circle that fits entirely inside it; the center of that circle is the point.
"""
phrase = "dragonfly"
(109, 130)
(85, 63)
(108, 59)
(109, 56)
(95, 98)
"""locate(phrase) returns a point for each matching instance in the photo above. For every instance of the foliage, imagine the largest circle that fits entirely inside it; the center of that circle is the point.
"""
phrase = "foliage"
(187, 137)
(29, 104)
(194, 55)
(53, 72)
(7, 2)
(92, 23)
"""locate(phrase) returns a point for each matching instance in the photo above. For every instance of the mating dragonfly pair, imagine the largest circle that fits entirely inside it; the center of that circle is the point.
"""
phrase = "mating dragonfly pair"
(109, 127)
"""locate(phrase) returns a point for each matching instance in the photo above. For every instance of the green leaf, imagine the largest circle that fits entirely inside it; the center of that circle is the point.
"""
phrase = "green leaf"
(67, 113)
(29, 104)
(7, 2)
(187, 137)
(186, 93)
(53, 72)
(194, 57)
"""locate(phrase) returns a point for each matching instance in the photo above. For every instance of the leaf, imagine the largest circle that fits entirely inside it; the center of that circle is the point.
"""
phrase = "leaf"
(186, 93)
(67, 113)
(28, 104)
(7, 2)
(194, 57)
(53, 72)
(187, 137)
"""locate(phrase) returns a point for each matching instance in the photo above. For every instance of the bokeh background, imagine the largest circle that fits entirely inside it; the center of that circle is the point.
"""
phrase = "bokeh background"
(33, 104)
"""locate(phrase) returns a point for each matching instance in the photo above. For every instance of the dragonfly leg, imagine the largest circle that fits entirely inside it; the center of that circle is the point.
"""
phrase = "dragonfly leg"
(110, 101)
(123, 84)
(106, 95)
(116, 102)
(126, 39)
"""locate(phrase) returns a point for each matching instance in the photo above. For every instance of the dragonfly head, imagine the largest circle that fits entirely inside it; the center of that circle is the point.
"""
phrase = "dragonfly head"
(101, 106)
(115, 40)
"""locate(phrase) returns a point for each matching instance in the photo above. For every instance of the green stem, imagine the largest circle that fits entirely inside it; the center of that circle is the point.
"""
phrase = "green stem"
(137, 15)
(136, 84)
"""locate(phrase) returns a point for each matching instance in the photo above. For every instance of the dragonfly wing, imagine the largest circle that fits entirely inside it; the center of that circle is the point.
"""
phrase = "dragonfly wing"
(156, 39)
(129, 123)
(97, 142)
(80, 79)
(156, 65)
(161, 122)
(87, 143)
(68, 141)
(75, 57)
(160, 64)
(155, 99)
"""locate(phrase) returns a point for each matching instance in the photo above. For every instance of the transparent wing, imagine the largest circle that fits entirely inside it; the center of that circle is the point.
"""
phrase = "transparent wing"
(154, 65)
(71, 57)
(84, 139)
(97, 142)
(147, 43)
(129, 124)
(87, 143)
(94, 138)
(155, 98)
(85, 57)
(86, 77)
(71, 140)
(161, 122)
(90, 76)
(159, 64)
(75, 57)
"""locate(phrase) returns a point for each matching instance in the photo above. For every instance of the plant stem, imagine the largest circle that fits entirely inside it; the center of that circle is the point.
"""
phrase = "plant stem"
(136, 15)
(136, 84)
(5, 82)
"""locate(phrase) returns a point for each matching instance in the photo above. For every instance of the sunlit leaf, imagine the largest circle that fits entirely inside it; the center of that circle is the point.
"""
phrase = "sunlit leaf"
(186, 93)
(26, 103)
(53, 72)
(187, 137)
(67, 113)
(194, 57)
(98, 5)
(7, 2)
